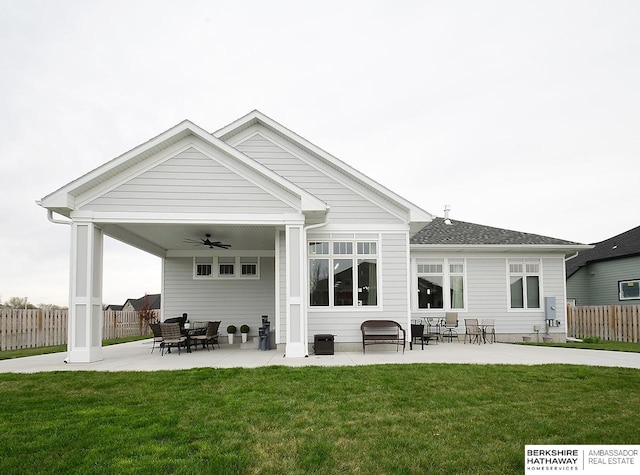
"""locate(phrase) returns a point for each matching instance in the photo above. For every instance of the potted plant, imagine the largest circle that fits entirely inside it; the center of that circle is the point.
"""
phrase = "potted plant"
(231, 329)
(244, 330)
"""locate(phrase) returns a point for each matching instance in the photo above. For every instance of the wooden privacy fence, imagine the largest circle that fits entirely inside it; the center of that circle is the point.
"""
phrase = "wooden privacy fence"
(20, 328)
(611, 322)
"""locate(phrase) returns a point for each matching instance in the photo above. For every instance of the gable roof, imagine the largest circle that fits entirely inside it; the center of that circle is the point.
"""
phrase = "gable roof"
(153, 300)
(62, 200)
(255, 117)
(626, 244)
(442, 233)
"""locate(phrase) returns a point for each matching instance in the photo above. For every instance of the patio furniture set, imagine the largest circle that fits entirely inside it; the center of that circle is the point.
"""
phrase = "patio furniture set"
(440, 329)
(426, 329)
(176, 333)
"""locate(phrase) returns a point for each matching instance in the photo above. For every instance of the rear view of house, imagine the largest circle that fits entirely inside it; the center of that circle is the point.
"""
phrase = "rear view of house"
(254, 220)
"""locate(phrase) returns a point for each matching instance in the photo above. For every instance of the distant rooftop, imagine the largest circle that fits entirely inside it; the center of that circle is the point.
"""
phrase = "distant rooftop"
(626, 244)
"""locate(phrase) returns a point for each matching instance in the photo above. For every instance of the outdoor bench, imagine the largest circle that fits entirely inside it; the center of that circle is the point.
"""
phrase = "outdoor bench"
(382, 331)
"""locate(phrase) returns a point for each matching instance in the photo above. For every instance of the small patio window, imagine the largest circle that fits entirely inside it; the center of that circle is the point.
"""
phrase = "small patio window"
(248, 266)
(227, 267)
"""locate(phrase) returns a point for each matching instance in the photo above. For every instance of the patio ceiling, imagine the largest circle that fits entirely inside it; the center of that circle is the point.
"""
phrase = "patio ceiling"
(159, 238)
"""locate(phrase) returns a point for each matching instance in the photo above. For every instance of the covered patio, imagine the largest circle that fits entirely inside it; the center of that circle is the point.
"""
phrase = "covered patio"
(137, 356)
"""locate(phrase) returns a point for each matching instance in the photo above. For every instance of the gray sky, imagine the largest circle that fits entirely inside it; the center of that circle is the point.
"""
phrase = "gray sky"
(520, 115)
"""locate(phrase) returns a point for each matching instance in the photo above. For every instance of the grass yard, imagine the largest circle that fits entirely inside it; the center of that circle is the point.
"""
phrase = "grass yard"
(387, 419)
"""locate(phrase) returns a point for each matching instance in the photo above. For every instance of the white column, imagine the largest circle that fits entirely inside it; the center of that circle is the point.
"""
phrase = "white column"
(296, 312)
(85, 300)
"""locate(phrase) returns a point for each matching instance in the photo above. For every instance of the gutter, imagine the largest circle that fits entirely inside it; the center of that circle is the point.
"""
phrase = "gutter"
(56, 221)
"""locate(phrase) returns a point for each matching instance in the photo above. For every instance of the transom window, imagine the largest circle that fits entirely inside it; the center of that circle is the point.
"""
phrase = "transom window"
(437, 275)
(524, 283)
(340, 277)
(226, 267)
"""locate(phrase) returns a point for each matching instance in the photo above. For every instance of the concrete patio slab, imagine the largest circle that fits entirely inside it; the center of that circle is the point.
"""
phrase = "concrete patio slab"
(137, 356)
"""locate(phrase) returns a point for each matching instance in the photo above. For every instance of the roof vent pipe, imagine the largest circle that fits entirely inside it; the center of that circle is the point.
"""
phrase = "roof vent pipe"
(447, 208)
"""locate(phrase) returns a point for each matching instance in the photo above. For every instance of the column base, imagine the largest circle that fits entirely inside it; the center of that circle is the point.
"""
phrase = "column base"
(84, 355)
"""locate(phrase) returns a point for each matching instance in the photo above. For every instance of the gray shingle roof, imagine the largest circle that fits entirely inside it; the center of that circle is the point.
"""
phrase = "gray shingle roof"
(626, 244)
(462, 233)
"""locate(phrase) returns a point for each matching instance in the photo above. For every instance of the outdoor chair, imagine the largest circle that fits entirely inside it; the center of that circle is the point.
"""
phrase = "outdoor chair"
(180, 321)
(157, 335)
(210, 337)
(472, 330)
(450, 324)
(417, 333)
(490, 330)
(171, 337)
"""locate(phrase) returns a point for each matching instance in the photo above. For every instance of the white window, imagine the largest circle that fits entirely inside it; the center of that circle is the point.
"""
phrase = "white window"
(434, 276)
(524, 283)
(227, 267)
(248, 266)
(342, 277)
(203, 267)
(629, 289)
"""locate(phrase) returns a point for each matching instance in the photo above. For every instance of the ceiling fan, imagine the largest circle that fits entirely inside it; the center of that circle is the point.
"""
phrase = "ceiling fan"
(208, 242)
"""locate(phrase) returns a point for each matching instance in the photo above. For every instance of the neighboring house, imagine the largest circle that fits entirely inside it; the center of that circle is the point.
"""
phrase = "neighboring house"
(607, 274)
(114, 308)
(255, 220)
(152, 301)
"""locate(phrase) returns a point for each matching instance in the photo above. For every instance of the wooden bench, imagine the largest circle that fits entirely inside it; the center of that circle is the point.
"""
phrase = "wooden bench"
(382, 331)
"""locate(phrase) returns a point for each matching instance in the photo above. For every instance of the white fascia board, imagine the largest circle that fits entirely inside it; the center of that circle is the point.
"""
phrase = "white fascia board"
(415, 213)
(67, 191)
(500, 248)
(176, 133)
(191, 218)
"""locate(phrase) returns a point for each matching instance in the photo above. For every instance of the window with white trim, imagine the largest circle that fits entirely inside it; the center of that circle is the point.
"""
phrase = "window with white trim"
(226, 267)
(524, 283)
(436, 275)
(343, 273)
(629, 289)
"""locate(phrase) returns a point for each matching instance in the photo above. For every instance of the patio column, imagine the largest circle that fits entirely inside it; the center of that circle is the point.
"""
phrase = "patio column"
(84, 344)
(296, 313)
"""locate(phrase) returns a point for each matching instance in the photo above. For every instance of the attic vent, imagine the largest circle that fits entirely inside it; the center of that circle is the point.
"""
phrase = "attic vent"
(447, 208)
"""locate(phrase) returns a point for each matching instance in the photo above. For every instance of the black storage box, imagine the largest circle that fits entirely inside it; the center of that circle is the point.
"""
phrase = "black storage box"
(323, 344)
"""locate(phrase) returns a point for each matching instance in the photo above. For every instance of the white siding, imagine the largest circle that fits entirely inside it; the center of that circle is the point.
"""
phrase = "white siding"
(486, 286)
(190, 182)
(392, 298)
(234, 302)
(347, 206)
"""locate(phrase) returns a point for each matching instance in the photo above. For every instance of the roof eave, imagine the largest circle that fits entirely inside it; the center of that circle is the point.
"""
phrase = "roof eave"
(416, 214)
(63, 200)
(564, 248)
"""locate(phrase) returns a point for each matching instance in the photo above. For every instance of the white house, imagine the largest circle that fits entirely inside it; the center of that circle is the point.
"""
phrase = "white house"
(255, 220)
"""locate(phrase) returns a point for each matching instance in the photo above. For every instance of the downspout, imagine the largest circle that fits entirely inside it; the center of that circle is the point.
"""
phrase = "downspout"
(56, 221)
(305, 284)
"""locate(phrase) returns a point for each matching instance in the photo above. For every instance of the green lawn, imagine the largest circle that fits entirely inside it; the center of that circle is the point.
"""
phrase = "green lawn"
(393, 419)
(43, 350)
(600, 345)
